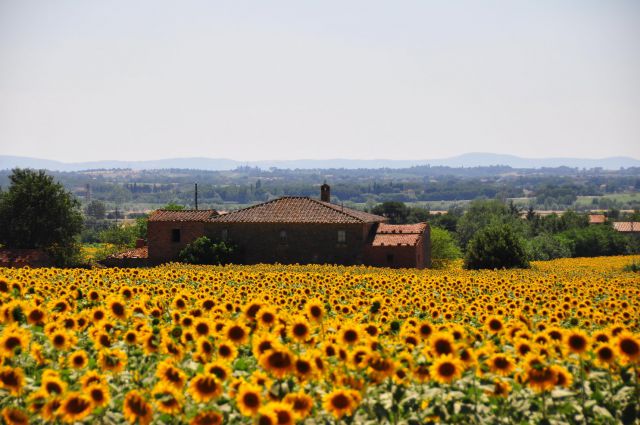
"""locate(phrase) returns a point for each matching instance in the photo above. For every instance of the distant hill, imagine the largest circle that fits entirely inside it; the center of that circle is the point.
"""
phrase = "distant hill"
(465, 160)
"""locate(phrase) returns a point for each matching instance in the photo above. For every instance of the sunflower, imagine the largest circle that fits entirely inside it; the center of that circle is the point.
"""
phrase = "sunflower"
(52, 384)
(501, 364)
(445, 369)
(350, 334)
(380, 367)
(90, 378)
(283, 411)
(538, 375)
(605, 355)
(262, 343)
(62, 340)
(576, 341)
(627, 346)
(266, 416)
(494, 324)
(226, 351)
(220, 369)
(277, 361)
(11, 379)
(13, 340)
(204, 387)
(202, 327)
(98, 393)
(425, 330)
(131, 337)
(236, 332)
(267, 317)
(248, 399)
(441, 343)
(112, 360)
(167, 399)
(299, 330)
(207, 418)
(204, 349)
(136, 408)
(251, 310)
(117, 309)
(315, 310)
(500, 388)
(563, 376)
(341, 402)
(15, 416)
(75, 407)
(301, 403)
(78, 359)
(171, 375)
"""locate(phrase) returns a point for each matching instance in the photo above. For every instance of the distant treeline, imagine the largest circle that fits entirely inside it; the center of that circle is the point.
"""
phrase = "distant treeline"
(551, 188)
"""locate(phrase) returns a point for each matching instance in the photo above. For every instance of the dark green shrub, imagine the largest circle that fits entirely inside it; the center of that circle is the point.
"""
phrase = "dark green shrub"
(494, 247)
(205, 251)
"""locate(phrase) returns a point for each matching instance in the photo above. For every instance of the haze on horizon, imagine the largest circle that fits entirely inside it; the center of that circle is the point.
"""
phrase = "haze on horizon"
(142, 80)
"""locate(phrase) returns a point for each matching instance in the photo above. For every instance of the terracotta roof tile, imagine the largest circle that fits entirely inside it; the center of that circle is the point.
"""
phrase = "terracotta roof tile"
(597, 218)
(390, 239)
(298, 210)
(627, 226)
(398, 234)
(401, 228)
(184, 215)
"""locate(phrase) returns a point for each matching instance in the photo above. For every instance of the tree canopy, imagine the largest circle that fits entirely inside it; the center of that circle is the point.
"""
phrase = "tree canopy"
(37, 212)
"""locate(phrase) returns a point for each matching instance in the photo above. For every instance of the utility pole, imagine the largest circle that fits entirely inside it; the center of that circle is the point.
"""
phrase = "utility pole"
(196, 196)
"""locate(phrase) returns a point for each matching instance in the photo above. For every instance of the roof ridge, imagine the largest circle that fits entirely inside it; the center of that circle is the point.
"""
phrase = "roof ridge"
(335, 208)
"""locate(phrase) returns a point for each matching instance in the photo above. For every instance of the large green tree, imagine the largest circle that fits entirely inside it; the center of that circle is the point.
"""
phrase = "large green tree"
(37, 212)
(496, 246)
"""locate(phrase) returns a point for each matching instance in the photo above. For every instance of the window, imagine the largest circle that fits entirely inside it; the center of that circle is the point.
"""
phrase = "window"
(175, 235)
(283, 235)
(342, 236)
(224, 234)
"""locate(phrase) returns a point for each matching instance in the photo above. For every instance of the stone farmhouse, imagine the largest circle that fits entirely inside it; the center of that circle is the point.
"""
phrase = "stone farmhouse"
(292, 230)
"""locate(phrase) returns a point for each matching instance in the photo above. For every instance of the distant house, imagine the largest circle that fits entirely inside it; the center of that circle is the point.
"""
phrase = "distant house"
(24, 258)
(292, 230)
(597, 219)
(627, 226)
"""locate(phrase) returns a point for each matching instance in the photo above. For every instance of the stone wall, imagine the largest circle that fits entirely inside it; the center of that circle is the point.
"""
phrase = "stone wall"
(159, 238)
(303, 243)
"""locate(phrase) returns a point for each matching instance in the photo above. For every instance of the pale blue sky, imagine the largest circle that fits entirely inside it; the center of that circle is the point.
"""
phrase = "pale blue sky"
(89, 80)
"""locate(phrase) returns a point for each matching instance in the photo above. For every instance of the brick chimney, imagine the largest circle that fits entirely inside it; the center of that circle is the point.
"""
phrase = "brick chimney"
(325, 193)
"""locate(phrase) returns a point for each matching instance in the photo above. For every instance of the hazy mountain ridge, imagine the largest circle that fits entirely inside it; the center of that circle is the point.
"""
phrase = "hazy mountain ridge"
(465, 160)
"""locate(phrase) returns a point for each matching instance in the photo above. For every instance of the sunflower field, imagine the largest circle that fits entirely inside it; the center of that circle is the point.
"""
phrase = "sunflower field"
(272, 344)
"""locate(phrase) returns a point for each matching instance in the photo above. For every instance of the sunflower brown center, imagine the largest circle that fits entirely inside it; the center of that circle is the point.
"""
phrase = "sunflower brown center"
(206, 385)
(629, 347)
(446, 369)
(577, 342)
(137, 406)
(443, 347)
(279, 360)
(77, 405)
(350, 335)
(12, 342)
(236, 333)
(340, 401)
(251, 400)
(300, 330)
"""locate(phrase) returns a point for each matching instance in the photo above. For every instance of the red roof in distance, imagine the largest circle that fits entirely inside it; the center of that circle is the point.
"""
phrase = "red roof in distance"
(298, 210)
(183, 215)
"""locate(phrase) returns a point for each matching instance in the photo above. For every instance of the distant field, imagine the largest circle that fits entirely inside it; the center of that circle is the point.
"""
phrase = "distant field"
(619, 197)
